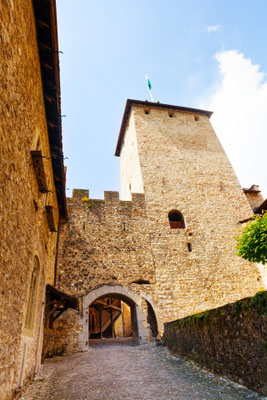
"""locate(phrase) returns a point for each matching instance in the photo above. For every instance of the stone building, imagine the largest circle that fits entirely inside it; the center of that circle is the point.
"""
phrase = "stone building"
(167, 248)
(32, 182)
(164, 251)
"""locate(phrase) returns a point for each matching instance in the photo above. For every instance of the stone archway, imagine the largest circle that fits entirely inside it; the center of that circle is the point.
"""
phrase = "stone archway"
(140, 331)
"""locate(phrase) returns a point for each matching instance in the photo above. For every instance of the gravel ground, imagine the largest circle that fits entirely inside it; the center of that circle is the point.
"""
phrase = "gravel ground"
(117, 370)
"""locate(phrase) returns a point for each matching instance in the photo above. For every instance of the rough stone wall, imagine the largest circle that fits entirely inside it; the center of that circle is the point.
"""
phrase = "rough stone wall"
(24, 230)
(63, 337)
(184, 167)
(117, 242)
(105, 242)
(229, 340)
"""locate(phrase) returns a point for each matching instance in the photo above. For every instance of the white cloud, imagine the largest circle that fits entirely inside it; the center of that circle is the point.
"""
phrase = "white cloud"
(239, 102)
(212, 28)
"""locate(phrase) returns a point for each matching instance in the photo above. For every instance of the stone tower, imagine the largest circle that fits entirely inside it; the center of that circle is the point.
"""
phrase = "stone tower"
(173, 156)
(166, 248)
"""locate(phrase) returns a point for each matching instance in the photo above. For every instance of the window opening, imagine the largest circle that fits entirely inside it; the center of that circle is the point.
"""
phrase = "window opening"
(141, 282)
(176, 219)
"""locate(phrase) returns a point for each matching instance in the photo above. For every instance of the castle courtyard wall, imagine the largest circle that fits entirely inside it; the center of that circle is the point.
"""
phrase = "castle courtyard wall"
(24, 230)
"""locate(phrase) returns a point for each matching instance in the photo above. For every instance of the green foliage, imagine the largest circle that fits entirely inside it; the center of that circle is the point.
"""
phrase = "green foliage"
(252, 244)
(260, 300)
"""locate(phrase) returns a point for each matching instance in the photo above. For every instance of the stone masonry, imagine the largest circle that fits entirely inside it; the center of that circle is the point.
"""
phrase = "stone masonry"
(25, 235)
(172, 156)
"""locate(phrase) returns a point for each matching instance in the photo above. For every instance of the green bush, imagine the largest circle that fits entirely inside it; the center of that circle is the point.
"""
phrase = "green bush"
(252, 244)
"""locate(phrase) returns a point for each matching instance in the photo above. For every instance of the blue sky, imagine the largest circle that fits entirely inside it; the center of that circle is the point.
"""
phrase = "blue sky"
(108, 48)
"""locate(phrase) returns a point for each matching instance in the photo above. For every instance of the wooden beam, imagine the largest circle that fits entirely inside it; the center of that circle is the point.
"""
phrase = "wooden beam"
(100, 321)
(112, 324)
(44, 46)
(42, 24)
(53, 318)
(108, 305)
(47, 66)
(49, 98)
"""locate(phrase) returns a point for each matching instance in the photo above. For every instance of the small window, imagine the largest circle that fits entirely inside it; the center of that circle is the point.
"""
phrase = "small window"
(196, 118)
(147, 111)
(176, 219)
(171, 114)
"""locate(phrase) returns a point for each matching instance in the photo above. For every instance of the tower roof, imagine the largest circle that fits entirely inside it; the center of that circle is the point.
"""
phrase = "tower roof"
(131, 102)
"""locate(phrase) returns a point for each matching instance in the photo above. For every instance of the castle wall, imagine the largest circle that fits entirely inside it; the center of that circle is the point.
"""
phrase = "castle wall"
(62, 338)
(24, 230)
(126, 243)
(105, 242)
(184, 167)
(229, 341)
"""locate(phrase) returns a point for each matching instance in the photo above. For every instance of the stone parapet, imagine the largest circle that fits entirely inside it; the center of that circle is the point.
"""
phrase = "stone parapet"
(229, 340)
(78, 194)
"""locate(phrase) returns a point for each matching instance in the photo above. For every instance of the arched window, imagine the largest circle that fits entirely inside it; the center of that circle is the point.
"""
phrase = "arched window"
(176, 219)
(32, 298)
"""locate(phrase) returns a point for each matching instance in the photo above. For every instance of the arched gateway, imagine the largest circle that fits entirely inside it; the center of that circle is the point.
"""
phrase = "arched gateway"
(139, 319)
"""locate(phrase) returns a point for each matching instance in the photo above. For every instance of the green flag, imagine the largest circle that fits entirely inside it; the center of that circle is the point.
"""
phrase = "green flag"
(148, 83)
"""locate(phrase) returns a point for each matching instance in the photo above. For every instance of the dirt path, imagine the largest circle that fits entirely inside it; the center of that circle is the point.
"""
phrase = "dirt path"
(120, 371)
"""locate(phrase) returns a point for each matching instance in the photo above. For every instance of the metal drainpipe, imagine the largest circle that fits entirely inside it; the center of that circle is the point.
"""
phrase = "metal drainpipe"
(40, 325)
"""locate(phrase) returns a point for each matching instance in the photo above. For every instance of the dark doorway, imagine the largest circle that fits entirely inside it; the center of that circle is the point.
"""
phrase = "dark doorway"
(152, 320)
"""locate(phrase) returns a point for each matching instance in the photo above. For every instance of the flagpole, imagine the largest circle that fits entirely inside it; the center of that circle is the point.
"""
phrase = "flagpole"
(149, 88)
(151, 95)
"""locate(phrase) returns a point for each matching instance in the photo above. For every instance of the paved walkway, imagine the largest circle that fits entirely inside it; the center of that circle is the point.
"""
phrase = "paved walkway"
(117, 370)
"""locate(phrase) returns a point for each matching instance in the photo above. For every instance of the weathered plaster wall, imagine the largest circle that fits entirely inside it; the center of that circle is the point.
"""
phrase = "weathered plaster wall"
(229, 340)
(24, 230)
(131, 177)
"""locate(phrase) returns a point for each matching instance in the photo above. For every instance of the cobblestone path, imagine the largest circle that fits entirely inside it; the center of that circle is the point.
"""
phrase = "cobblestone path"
(120, 371)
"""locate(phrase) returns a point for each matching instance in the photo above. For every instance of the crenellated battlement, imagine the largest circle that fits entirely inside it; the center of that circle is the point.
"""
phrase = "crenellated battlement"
(110, 197)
